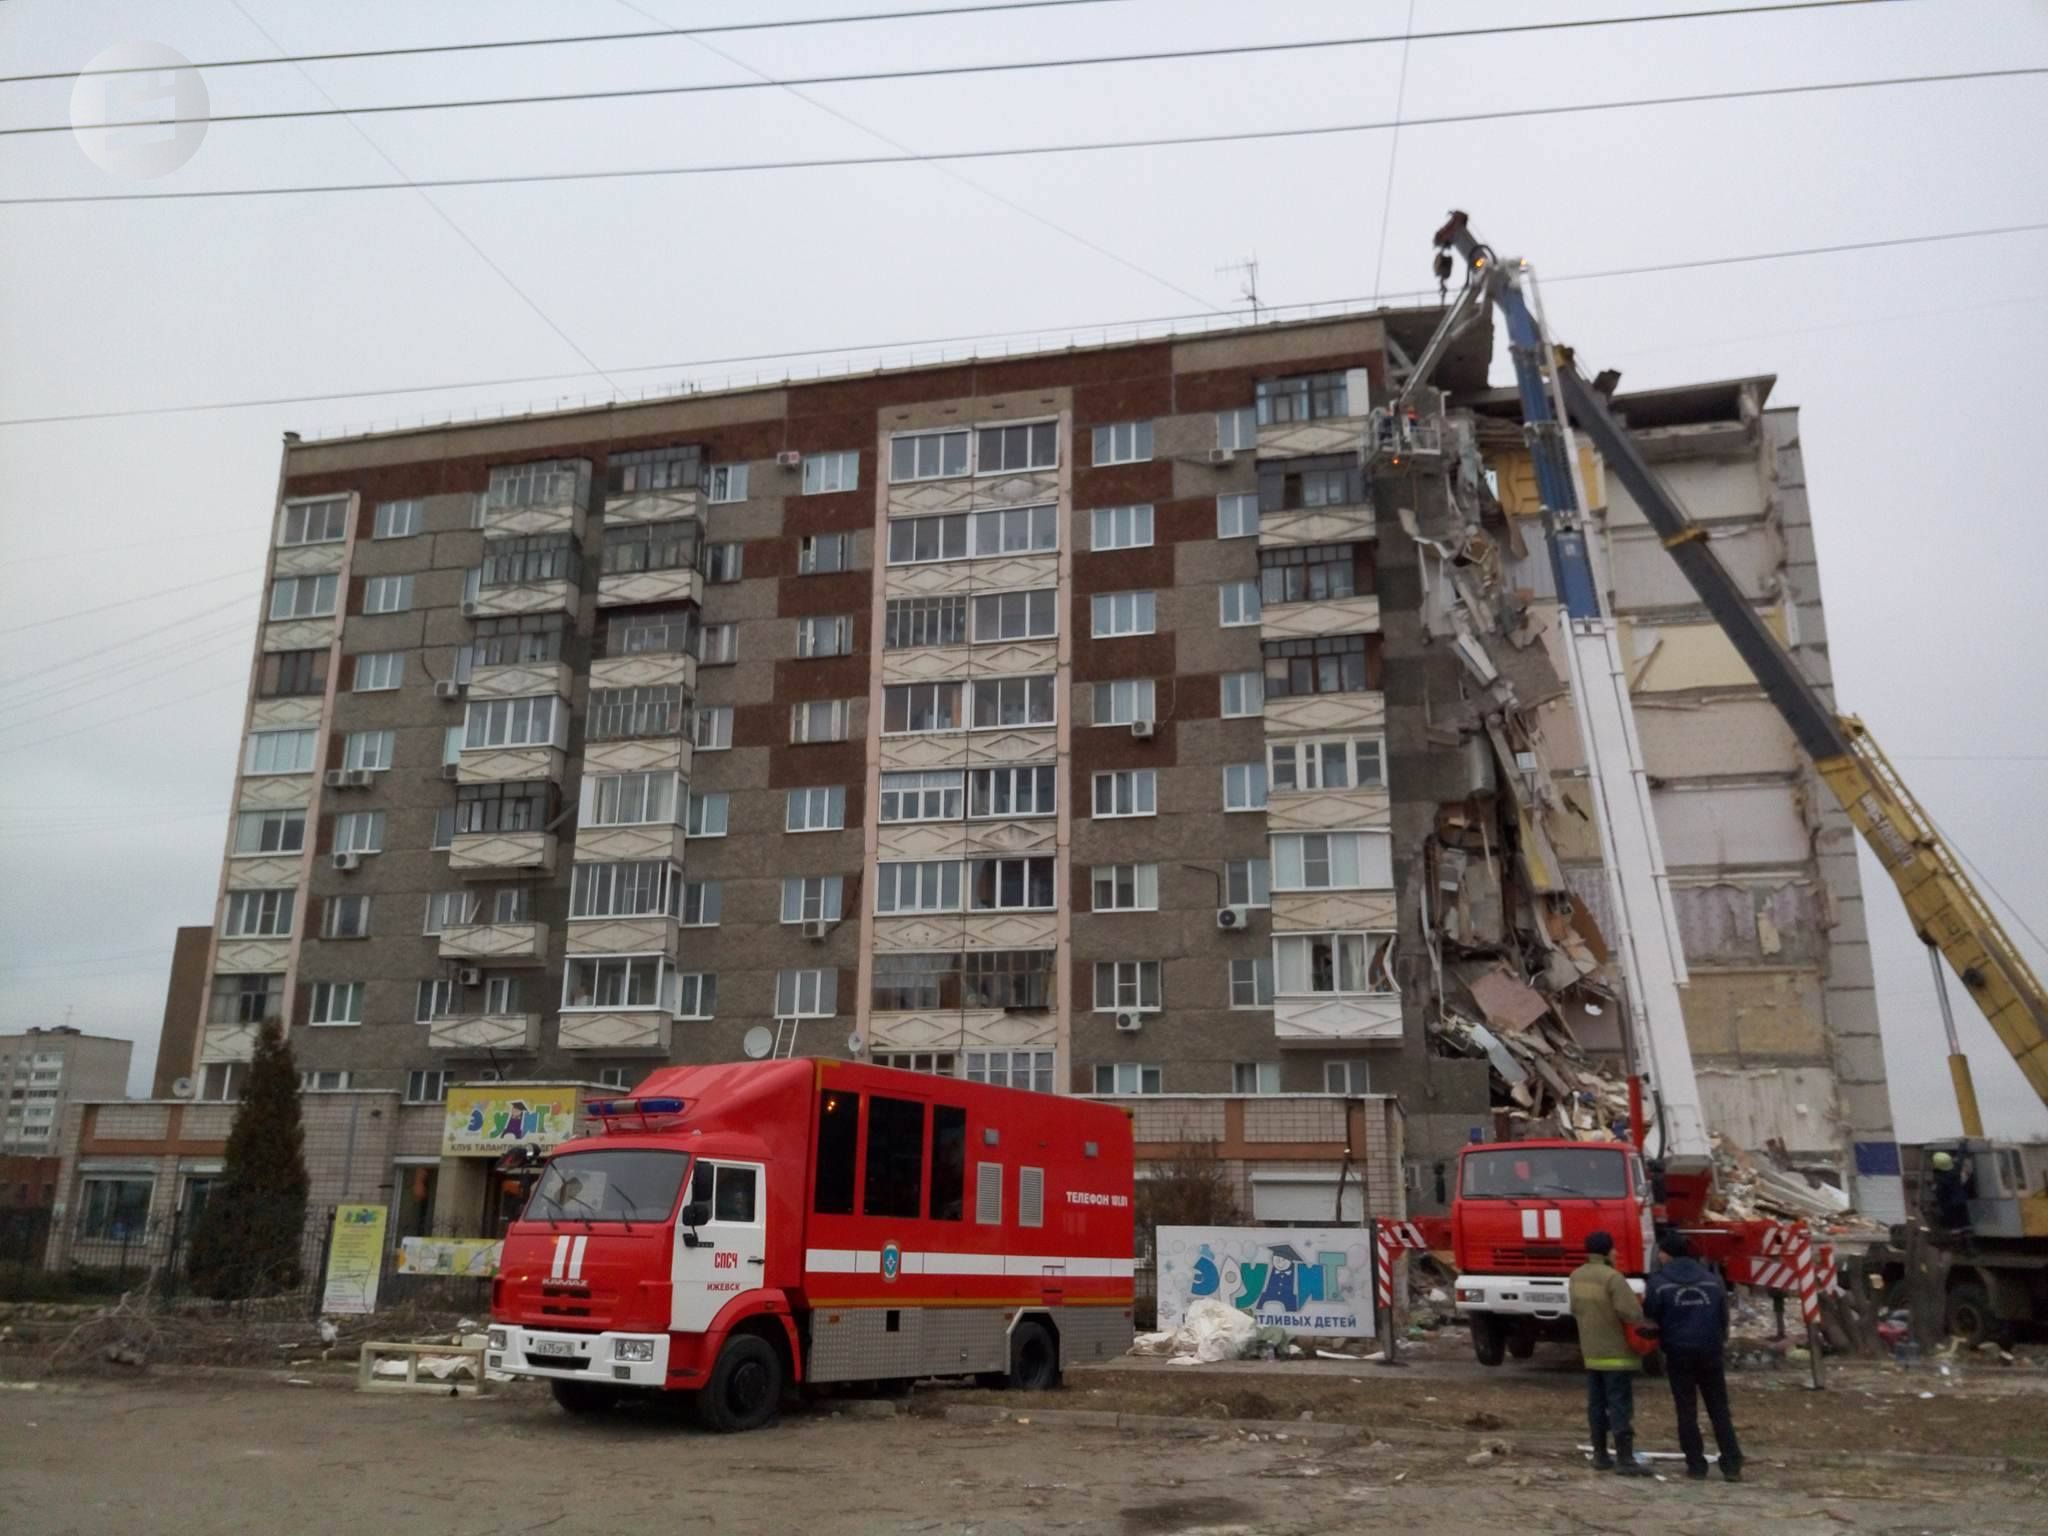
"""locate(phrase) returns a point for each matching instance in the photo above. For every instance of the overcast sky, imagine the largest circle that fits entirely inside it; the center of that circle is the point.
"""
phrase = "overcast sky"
(1915, 368)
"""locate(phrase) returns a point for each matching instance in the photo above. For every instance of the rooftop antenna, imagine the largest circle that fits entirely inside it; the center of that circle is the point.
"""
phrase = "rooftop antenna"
(1249, 288)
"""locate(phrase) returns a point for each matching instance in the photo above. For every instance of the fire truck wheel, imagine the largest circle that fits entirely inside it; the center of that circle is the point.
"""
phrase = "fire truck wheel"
(745, 1387)
(1971, 1319)
(1034, 1359)
(583, 1396)
(1489, 1339)
(1521, 1342)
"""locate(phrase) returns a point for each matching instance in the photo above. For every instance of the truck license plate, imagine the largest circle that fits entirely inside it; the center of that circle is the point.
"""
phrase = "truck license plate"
(550, 1347)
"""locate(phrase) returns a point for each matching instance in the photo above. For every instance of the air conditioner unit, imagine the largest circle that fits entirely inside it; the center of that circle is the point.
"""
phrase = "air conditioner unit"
(451, 771)
(335, 777)
(348, 861)
(355, 778)
(451, 689)
(1234, 918)
(469, 608)
(1143, 730)
(789, 458)
(1222, 455)
(470, 976)
(488, 1075)
(816, 929)
(1130, 1023)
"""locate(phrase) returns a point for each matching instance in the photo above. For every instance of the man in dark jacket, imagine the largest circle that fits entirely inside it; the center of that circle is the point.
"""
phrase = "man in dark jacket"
(1689, 1304)
(1603, 1305)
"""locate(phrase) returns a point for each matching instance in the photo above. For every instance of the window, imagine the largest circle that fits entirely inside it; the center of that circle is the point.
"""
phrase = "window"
(825, 472)
(670, 546)
(324, 1081)
(1244, 787)
(1127, 792)
(335, 1002)
(806, 994)
(302, 597)
(1255, 1077)
(1016, 531)
(723, 562)
(1349, 1077)
(928, 456)
(1305, 397)
(1309, 963)
(426, 1086)
(728, 483)
(820, 720)
(280, 751)
(1126, 888)
(1304, 486)
(443, 835)
(923, 540)
(910, 622)
(292, 674)
(1125, 986)
(1033, 445)
(540, 484)
(895, 1161)
(702, 902)
(711, 727)
(718, 645)
(436, 999)
(315, 522)
(379, 671)
(1011, 1069)
(1122, 613)
(372, 751)
(539, 721)
(533, 557)
(638, 888)
(949, 1144)
(1120, 528)
(816, 810)
(651, 632)
(707, 815)
(509, 807)
(920, 797)
(617, 713)
(921, 886)
(1333, 861)
(616, 981)
(1237, 516)
(1016, 615)
(512, 904)
(387, 594)
(903, 982)
(504, 994)
(1129, 1077)
(258, 832)
(1338, 762)
(1251, 982)
(359, 832)
(680, 468)
(1238, 431)
(1025, 791)
(1123, 702)
(1331, 664)
(345, 917)
(1248, 882)
(258, 915)
(113, 1207)
(913, 707)
(517, 639)
(631, 799)
(1010, 885)
(1238, 602)
(696, 995)
(221, 1082)
(252, 997)
(824, 552)
(838, 1152)
(449, 909)
(451, 745)
(1127, 442)
(812, 898)
(1004, 701)
(824, 636)
(399, 519)
(1244, 693)
(1308, 573)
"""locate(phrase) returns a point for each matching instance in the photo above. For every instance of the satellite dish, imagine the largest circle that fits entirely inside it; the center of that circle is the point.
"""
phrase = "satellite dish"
(758, 1042)
(856, 1043)
(182, 1088)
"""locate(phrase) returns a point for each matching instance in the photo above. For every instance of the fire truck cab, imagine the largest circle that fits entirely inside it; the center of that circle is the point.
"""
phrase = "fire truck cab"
(735, 1230)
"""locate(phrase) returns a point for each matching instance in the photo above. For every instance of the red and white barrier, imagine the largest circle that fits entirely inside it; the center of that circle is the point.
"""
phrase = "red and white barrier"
(1395, 1237)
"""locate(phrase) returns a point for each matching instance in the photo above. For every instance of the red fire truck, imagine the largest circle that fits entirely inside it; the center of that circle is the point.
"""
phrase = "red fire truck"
(734, 1230)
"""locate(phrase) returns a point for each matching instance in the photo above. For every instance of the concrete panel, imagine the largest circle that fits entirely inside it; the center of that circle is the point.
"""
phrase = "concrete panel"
(628, 1031)
(619, 844)
(309, 559)
(1749, 1107)
(1320, 1021)
(492, 853)
(1320, 525)
(1756, 1014)
(1774, 923)
(250, 955)
(1665, 657)
(1305, 439)
(299, 635)
(674, 586)
(510, 765)
(1278, 345)
(264, 873)
(1645, 575)
(494, 941)
(275, 792)
(965, 1030)
(1331, 911)
(1037, 835)
(527, 597)
(645, 754)
(654, 507)
(1327, 809)
(1329, 714)
(1710, 490)
(622, 936)
(521, 680)
(921, 840)
(1303, 621)
(1004, 573)
(480, 1034)
(648, 671)
(1013, 658)
(270, 714)
(1736, 824)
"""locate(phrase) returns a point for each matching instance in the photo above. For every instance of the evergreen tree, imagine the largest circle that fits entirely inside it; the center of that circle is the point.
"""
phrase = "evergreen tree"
(249, 1239)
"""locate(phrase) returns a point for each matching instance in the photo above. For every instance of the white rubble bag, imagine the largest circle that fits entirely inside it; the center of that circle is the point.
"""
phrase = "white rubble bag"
(1212, 1330)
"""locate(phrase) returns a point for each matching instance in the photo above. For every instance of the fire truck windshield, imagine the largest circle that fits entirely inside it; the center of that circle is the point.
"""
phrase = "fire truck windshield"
(623, 1186)
(1589, 1173)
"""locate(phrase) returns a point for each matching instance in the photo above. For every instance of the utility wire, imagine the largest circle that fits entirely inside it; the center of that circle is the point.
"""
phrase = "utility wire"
(1393, 152)
(1985, 880)
(127, 602)
(183, 656)
(879, 76)
(155, 632)
(1170, 141)
(147, 709)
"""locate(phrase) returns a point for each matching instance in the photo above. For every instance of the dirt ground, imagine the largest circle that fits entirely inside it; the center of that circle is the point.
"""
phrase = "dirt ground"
(178, 1457)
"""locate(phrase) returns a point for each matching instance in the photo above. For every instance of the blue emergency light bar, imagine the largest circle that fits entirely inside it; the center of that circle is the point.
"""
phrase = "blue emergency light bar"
(606, 1109)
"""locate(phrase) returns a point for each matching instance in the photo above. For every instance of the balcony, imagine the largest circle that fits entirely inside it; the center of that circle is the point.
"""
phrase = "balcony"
(651, 840)
(517, 597)
(499, 943)
(489, 854)
(228, 1042)
(483, 1034)
(646, 669)
(1336, 1019)
(510, 765)
(623, 936)
(1331, 713)
(520, 679)
(616, 1030)
(654, 506)
(1306, 439)
(538, 498)
(1330, 616)
(675, 584)
(1354, 524)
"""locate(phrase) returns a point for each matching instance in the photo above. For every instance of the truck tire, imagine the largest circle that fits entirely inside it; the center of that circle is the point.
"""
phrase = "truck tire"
(1489, 1339)
(1521, 1342)
(1034, 1358)
(745, 1388)
(1970, 1318)
(584, 1396)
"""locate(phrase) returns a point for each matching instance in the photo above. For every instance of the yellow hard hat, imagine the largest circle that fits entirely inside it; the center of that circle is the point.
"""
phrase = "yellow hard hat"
(1943, 1161)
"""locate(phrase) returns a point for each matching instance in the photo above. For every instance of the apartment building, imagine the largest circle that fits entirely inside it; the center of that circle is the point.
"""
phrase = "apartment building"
(44, 1070)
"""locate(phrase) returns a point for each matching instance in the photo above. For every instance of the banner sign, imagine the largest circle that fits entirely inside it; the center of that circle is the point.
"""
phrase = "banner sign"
(487, 1121)
(355, 1259)
(468, 1258)
(1302, 1279)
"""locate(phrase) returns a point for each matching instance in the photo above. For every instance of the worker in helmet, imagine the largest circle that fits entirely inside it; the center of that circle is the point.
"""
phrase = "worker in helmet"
(1603, 1305)
(1951, 1193)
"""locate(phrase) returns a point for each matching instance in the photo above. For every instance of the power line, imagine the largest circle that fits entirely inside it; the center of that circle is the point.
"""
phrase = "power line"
(154, 632)
(126, 602)
(97, 725)
(1014, 152)
(1985, 880)
(1393, 151)
(933, 72)
(191, 651)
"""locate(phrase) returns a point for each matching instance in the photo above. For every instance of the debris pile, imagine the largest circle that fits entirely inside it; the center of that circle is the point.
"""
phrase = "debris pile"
(1213, 1330)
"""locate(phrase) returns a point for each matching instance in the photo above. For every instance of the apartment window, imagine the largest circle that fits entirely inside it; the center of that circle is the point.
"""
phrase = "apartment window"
(449, 909)
(509, 807)
(919, 886)
(1237, 516)
(812, 898)
(822, 809)
(504, 994)
(292, 674)
(911, 622)
(1255, 1077)
(1017, 615)
(831, 636)
(436, 999)
(541, 484)
(728, 482)
(1015, 531)
(1015, 791)
(1124, 702)
(1126, 1077)
(1030, 1070)
(696, 995)
(703, 902)
(1127, 792)
(114, 1208)
(711, 727)
(820, 720)
(904, 982)
(1125, 888)
(913, 707)
(247, 998)
(359, 832)
(1248, 882)
(934, 1063)
(258, 832)
(426, 1086)
(345, 917)
(1309, 963)
(280, 751)
(651, 632)
(632, 799)
(1007, 978)
(518, 640)
(512, 904)
(335, 1002)
(724, 562)
(824, 552)
(373, 751)
(398, 519)
(1010, 885)
(1032, 445)
(707, 815)
(1251, 982)
(639, 888)
(1120, 528)
(1238, 431)
(1244, 787)
(670, 546)
(1338, 762)
(926, 540)
(258, 915)
(379, 671)
(1333, 861)
(616, 981)
(680, 468)
(1330, 664)
(315, 522)
(387, 594)
(221, 1082)
(323, 1081)
(1122, 613)
(618, 713)
(302, 597)
(806, 994)
(532, 557)
(928, 456)
(540, 721)
(718, 645)
(1125, 986)
(1003, 701)
(443, 835)
(1309, 573)
(1348, 1077)
(920, 797)
(1125, 442)
(826, 472)
(1238, 602)
(1244, 693)
(1305, 397)
(1305, 487)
